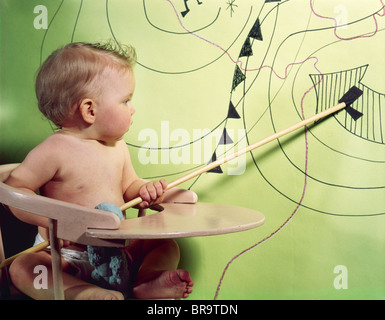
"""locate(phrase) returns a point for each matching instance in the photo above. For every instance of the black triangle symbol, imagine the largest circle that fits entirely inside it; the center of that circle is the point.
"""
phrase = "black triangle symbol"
(216, 169)
(225, 139)
(255, 31)
(246, 50)
(232, 113)
(238, 77)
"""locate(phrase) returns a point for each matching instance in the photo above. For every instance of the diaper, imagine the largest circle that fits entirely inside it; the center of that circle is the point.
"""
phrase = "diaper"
(78, 260)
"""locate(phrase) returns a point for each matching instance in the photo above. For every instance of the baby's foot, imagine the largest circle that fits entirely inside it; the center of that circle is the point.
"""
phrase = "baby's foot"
(164, 285)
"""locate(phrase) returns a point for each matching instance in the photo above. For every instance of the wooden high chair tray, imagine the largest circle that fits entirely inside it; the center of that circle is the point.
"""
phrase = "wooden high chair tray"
(184, 220)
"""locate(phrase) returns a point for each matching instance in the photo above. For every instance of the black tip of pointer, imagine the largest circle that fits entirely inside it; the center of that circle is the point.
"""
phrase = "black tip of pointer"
(352, 95)
(349, 97)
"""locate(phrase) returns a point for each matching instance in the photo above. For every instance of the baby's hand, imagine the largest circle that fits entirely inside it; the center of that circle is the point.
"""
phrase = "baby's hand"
(152, 193)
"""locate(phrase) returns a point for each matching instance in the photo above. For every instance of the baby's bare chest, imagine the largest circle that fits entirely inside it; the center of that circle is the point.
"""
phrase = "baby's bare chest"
(88, 173)
(93, 160)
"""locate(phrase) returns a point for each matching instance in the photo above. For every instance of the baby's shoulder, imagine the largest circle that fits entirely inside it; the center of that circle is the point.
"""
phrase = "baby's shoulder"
(54, 141)
(57, 144)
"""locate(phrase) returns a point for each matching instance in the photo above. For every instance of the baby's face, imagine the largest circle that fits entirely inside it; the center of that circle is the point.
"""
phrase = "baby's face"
(114, 105)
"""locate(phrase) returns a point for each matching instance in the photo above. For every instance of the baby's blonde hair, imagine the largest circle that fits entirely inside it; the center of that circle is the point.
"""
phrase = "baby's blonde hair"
(70, 74)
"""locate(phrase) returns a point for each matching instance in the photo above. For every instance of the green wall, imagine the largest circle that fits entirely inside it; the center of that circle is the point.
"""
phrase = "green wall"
(293, 57)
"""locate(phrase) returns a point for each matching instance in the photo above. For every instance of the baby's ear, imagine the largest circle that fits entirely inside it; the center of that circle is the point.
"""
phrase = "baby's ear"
(88, 110)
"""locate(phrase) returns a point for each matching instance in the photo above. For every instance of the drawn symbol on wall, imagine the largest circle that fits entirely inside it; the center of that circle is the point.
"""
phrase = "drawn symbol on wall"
(246, 50)
(231, 5)
(364, 118)
(232, 112)
(225, 139)
(255, 31)
(216, 169)
(238, 78)
(183, 13)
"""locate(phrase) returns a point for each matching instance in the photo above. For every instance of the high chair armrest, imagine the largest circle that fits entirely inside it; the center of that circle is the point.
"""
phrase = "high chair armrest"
(177, 195)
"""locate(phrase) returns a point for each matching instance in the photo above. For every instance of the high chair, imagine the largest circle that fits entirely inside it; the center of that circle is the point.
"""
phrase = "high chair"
(179, 216)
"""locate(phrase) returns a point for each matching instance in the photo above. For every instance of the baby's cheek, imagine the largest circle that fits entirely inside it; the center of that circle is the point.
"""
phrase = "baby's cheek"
(125, 122)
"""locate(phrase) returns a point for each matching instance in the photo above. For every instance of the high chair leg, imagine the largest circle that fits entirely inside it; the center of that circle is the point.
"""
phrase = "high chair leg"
(4, 289)
(56, 261)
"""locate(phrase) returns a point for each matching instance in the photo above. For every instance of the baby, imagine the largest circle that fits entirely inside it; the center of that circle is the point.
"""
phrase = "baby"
(86, 90)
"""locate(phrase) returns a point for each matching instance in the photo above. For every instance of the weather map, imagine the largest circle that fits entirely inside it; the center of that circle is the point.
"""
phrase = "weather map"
(216, 76)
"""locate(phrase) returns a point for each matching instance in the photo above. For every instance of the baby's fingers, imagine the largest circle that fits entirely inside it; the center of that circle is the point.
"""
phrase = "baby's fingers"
(160, 186)
(144, 194)
(164, 184)
(153, 189)
(150, 191)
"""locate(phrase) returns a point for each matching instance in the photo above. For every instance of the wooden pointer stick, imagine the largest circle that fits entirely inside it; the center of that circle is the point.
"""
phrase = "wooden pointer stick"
(353, 94)
(36, 248)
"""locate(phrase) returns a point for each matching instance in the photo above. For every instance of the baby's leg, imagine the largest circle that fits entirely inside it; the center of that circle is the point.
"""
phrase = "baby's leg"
(158, 277)
(23, 276)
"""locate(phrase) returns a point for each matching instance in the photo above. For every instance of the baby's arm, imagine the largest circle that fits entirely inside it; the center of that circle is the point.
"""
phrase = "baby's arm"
(37, 169)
